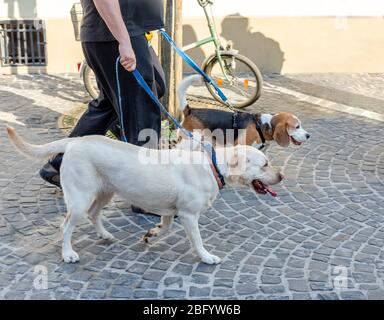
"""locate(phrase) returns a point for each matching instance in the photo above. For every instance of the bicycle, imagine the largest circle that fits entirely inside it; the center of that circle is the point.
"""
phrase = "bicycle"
(237, 76)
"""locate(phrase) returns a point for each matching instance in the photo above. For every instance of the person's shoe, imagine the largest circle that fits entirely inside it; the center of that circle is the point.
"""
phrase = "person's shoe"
(50, 174)
(116, 130)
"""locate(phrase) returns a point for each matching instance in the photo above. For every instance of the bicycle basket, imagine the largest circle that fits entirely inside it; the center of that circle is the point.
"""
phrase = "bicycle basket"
(76, 17)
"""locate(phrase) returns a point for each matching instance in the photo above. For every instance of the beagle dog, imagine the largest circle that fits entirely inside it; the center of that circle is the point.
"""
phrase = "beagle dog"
(95, 168)
(250, 129)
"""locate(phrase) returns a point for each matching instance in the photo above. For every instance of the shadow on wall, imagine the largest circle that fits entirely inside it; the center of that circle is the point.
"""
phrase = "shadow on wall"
(263, 51)
(197, 54)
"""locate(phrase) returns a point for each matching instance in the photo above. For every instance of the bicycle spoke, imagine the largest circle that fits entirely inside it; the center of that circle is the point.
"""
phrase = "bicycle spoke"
(243, 92)
(235, 85)
(239, 78)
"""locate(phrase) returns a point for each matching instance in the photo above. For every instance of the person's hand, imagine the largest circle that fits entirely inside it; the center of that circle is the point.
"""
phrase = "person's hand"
(127, 57)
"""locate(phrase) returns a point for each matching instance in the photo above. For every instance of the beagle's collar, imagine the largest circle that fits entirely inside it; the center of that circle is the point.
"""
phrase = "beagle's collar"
(260, 132)
(258, 127)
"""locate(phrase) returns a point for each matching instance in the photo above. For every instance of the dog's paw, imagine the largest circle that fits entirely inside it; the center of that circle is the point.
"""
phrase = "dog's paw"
(154, 232)
(106, 236)
(70, 256)
(211, 259)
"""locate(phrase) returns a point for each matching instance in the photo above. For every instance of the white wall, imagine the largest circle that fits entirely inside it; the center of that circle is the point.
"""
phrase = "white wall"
(286, 8)
(251, 8)
(45, 9)
(54, 8)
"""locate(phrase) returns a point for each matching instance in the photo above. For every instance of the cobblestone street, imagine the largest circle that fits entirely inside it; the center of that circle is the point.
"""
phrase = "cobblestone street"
(326, 223)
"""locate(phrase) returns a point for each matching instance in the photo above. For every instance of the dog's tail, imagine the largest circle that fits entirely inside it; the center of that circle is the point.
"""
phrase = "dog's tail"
(37, 151)
(183, 87)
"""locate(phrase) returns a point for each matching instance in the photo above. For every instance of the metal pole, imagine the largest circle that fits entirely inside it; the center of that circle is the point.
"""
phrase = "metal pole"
(171, 63)
(178, 60)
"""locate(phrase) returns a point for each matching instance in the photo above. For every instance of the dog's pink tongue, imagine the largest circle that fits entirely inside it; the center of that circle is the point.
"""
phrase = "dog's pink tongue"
(272, 192)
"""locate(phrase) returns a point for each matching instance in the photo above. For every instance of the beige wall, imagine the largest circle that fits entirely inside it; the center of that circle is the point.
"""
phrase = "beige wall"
(298, 44)
(63, 51)
(303, 36)
(286, 44)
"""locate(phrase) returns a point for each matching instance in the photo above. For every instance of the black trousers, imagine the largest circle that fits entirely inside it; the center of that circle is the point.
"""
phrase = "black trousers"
(139, 111)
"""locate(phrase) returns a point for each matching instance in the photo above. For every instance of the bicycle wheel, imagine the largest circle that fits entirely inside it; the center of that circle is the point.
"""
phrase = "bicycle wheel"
(90, 82)
(244, 84)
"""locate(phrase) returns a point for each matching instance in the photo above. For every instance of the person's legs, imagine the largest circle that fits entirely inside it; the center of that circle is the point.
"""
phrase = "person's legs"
(100, 113)
(139, 111)
(161, 86)
(98, 117)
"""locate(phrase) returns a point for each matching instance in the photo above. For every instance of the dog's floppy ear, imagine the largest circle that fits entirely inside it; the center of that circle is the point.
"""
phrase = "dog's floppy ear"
(266, 128)
(280, 135)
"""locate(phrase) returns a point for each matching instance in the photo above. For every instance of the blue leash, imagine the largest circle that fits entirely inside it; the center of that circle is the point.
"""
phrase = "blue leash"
(140, 80)
(194, 66)
(122, 128)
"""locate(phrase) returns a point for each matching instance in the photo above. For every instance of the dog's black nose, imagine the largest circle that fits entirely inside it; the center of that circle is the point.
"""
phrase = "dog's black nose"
(281, 176)
(307, 136)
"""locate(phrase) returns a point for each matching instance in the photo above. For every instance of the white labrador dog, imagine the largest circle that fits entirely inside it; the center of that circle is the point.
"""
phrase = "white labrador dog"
(94, 168)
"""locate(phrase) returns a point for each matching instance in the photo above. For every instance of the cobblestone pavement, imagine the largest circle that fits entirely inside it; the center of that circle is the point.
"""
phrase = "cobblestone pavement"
(364, 91)
(367, 84)
(327, 220)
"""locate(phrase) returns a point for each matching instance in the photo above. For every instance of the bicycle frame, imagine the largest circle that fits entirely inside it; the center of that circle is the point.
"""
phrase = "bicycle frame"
(214, 38)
